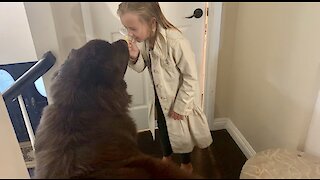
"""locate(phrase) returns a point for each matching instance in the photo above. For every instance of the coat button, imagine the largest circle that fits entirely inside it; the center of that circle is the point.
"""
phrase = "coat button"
(158, 86)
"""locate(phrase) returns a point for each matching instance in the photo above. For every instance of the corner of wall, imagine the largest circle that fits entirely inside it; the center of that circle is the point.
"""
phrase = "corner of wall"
(243, 144)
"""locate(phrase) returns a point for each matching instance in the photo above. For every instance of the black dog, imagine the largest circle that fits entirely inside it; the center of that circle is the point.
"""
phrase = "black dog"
(86, 132)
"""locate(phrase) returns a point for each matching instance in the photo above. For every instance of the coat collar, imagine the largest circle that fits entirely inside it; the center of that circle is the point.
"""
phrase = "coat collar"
(160, 48)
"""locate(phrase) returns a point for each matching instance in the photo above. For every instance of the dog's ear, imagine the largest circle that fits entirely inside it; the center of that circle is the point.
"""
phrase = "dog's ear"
(70, 56)
(72, 53)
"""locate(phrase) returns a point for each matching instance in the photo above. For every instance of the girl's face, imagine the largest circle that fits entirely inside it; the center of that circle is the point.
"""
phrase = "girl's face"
(137, 28)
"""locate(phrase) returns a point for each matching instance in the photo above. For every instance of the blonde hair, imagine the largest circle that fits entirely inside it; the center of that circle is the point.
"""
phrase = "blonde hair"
(146, 10)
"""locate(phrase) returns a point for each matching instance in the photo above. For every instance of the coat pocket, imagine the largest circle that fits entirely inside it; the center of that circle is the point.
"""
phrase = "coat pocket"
(169, 68)
(167, 64)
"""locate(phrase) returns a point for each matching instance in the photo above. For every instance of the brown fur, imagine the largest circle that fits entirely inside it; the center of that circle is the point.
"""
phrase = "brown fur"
(86, 132)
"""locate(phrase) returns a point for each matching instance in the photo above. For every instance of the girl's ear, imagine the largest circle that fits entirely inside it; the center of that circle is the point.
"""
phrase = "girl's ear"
(153, 19)
(153, 24)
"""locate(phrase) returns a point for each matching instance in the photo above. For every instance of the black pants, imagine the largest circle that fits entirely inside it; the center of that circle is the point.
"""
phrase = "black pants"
(164, 137)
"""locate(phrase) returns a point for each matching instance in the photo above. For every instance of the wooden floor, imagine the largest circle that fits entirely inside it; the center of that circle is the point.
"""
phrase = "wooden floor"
(222, 160)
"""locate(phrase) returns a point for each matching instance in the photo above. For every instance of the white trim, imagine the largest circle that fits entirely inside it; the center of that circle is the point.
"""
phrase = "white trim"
(26, 119)
(138, 107)
(241, 141)
(144, 130)
(243, 144)
(219, 124)
(214, 27)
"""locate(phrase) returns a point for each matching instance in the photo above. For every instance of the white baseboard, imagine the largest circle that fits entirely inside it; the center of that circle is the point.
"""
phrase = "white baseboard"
(243, 144)
(219, 124)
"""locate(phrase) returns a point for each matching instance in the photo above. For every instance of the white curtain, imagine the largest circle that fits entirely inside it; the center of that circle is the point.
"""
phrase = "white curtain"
(312, 145)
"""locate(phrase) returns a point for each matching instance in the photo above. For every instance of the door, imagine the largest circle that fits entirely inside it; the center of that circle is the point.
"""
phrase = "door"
(101, 21)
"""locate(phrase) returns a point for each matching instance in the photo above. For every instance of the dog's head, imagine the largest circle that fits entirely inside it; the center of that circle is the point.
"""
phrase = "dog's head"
(98, 65)
(96, 62)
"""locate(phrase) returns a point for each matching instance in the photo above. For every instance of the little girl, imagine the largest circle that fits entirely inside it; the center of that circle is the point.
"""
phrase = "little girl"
(172, 67)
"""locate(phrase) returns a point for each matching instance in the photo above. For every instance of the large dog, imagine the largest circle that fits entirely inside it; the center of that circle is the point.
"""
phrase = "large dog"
(86, 131)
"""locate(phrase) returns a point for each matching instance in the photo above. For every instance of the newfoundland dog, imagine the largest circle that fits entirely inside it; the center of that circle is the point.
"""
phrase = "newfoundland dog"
(86, 132)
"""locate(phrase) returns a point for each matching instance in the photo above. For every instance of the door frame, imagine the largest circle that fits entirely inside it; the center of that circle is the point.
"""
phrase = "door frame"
(212, 55)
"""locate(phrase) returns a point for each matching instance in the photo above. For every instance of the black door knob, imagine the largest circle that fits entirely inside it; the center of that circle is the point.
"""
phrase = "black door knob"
(197, 13)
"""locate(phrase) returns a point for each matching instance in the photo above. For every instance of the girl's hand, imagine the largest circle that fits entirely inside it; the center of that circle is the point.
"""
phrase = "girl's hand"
(175, 115)
(133, 50)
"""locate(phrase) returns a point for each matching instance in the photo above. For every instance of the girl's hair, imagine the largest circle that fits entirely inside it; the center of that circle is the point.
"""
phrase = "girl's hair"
(146, 10)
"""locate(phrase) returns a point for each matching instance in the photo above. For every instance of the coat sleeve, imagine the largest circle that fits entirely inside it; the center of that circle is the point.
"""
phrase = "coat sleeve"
(185, 61)
(139, 65)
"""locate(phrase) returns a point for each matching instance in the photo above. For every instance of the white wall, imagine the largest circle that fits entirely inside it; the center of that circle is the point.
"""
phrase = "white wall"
(56, 27)
(268, 71)
(16, 44)
(28, 30)
(12, 164)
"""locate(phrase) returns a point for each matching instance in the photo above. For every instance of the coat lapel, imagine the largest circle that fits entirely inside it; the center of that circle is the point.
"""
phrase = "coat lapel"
(160, 49)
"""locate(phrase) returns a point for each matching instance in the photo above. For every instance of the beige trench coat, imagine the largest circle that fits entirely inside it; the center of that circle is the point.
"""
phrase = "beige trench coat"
(173, 71)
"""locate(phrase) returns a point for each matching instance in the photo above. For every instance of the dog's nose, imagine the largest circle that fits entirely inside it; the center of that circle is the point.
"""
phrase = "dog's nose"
(123, 41)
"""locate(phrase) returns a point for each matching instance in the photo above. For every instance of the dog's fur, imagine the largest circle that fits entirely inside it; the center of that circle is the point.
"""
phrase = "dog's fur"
(86, 132)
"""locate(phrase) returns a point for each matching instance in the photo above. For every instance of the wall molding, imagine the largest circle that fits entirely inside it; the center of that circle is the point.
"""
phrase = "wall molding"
(243, 144)
(212, 56)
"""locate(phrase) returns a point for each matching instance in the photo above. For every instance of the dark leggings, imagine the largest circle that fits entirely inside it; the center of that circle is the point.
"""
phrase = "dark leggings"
(164, 137)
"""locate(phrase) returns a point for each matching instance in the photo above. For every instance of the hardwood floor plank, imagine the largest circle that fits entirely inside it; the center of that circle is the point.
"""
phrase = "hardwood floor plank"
(222, 160)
